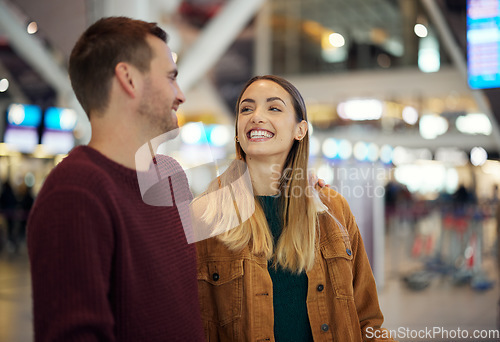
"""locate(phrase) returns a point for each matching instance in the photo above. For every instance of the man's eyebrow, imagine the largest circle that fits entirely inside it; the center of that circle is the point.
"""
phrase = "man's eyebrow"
(174, 72)
(275, 98)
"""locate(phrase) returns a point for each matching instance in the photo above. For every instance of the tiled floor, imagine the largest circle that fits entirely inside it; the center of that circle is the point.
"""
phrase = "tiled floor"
(441, 305)
(15, 297)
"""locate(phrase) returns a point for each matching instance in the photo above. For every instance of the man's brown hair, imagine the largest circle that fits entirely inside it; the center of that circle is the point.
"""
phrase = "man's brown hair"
(100, 48)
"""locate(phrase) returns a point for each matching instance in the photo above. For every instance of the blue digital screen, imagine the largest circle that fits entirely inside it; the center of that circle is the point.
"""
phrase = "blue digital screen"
(22, 115)
(60, 119)
(483, 43)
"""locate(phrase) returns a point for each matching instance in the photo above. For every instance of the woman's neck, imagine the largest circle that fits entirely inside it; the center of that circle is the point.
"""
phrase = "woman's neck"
(265, 176)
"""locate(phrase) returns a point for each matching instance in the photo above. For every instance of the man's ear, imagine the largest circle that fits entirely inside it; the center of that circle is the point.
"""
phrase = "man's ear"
(301, 131)
(127, 77)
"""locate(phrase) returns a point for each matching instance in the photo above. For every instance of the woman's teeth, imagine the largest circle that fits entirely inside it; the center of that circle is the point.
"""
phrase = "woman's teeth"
(255, 134)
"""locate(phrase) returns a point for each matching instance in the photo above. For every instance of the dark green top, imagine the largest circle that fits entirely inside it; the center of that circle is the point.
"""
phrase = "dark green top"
(291, 322)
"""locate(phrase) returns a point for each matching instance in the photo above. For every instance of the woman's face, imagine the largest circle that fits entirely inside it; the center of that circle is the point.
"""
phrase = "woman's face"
(267, 126)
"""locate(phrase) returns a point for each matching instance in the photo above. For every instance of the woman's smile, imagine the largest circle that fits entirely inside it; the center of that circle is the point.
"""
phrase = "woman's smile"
(259, 135)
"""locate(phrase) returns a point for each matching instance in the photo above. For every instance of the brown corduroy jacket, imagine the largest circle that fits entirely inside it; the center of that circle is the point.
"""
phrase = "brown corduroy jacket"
(236, 291)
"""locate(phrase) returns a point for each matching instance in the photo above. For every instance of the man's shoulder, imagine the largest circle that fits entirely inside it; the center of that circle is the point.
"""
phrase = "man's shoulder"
(168, 165)
(77, 170)
(79, 160)
(79, 156)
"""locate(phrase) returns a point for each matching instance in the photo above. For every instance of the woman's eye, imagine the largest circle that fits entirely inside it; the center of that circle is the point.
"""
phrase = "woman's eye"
(275, 109)
(244, 109)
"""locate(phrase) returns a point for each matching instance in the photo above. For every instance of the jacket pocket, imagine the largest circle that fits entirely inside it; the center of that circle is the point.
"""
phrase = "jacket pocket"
(220, 285)
(338, 258)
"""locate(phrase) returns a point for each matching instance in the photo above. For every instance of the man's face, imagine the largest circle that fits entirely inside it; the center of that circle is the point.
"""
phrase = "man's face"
(161, 96)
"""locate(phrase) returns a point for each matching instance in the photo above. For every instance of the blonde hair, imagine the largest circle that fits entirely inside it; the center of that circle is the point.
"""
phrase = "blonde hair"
(296, 247)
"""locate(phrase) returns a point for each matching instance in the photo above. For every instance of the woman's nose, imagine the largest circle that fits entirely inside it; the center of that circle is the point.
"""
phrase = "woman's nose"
(257, 116)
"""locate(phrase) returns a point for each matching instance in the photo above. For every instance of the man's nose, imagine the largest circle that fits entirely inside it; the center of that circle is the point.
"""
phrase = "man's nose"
(180, 95)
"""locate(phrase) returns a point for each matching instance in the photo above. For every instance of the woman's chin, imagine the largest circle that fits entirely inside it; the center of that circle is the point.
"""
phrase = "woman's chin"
(263, 154)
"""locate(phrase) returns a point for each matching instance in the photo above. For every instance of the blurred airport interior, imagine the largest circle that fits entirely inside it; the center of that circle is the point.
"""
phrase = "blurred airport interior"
(404, 111)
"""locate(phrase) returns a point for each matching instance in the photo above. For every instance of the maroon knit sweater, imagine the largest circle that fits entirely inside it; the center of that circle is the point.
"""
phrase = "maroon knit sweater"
(106, 266)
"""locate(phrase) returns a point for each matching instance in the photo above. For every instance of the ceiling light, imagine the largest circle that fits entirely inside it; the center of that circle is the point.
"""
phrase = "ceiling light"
(477, 123)
(32, 27)
(4, 85)
(410, 115)
(336, 39)
(432, 126)
(420, 30)
(359, 110)
(330, 148)
(478, 156)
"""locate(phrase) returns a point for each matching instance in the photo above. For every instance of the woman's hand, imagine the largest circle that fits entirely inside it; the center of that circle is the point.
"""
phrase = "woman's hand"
(315, 181)
(321, 183)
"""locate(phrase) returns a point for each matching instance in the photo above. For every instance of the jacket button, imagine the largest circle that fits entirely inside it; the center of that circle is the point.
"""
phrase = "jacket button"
(215, 276)
(325, 327)
(320, 287)
(348, 251)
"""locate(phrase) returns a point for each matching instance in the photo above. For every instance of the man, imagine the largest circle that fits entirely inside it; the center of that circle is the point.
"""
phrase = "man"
(105, 265)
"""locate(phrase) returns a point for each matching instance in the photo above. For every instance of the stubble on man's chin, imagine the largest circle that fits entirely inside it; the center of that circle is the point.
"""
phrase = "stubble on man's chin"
(158, 124)
(168, 130)
(169, 123)
(172, 130)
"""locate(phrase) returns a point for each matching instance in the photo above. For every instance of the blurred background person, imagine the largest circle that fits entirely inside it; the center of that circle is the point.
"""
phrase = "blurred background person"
(9, 210)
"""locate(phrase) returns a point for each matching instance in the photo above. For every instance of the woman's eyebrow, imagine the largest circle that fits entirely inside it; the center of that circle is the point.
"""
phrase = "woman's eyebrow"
(247, 100)
(270, 99)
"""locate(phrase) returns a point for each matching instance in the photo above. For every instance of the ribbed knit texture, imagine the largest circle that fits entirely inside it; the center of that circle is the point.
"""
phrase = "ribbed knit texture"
(291, 322)
(106, 266)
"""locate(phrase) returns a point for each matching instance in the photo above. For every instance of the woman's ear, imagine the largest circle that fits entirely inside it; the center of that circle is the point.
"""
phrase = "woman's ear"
(127, 77)
(301, 130)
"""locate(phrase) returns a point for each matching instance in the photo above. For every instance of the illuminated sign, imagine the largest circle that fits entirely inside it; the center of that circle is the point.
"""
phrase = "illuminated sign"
(60, 119)
(21, 139)
(483, 43)
(23, 115)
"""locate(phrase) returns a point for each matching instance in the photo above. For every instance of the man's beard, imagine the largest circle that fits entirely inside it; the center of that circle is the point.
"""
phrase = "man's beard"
(159, 118)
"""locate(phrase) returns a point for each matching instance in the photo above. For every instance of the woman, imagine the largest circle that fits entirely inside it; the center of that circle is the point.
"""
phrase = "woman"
(296, 269)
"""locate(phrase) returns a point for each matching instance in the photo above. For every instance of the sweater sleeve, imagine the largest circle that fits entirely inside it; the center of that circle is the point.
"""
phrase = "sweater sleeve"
(70, 244)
